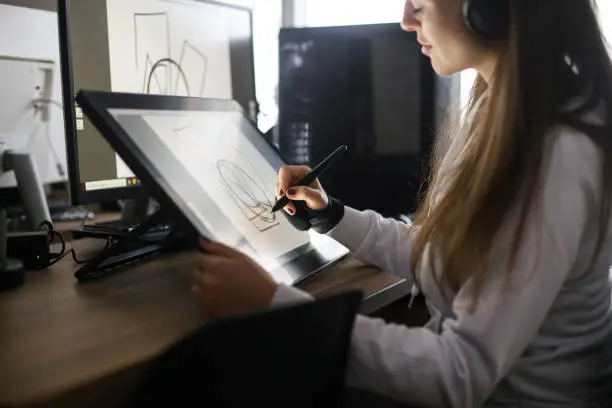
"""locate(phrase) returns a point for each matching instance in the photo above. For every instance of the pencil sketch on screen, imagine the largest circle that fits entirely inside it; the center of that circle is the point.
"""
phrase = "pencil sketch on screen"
(234, 174)
(179, 48)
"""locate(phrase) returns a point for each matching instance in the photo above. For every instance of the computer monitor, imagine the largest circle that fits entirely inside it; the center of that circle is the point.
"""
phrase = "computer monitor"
(31, 118)
(172, 47)
(371, 88)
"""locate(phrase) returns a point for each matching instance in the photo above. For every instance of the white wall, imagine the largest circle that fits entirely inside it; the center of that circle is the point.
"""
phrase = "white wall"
(605, 17)
(30, 33)
(267, 18)
(349, 12)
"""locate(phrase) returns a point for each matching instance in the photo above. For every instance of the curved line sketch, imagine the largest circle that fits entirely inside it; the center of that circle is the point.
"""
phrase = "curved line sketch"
(248, 195)
(188, 46)
(245, 188)
(176, 70)
(166, 63)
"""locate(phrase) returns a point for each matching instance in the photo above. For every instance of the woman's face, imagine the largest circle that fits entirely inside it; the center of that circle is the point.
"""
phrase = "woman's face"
(444, 36)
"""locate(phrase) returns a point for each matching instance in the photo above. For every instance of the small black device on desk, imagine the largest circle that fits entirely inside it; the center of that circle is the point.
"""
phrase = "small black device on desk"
(31, 248)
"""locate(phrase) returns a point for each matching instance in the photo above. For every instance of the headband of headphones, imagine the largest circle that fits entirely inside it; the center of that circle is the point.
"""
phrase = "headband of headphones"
(488, 19)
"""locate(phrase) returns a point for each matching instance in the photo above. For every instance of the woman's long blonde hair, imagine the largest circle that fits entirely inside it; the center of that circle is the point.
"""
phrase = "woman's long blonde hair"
(555, 53)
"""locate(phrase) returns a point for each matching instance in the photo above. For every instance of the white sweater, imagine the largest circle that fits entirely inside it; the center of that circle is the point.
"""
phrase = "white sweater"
(543, 341)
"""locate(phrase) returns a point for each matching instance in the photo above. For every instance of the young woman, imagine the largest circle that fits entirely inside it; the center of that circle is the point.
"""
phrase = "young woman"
(511, 247)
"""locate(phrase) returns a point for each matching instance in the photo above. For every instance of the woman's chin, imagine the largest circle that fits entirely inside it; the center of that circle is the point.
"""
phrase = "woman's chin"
(441, 69)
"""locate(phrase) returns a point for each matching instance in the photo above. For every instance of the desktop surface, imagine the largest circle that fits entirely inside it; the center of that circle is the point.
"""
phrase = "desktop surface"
(61, 337)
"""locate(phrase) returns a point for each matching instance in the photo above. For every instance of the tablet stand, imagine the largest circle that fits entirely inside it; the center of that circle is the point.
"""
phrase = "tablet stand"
(131, 248)
(136, 210)
(133, 212)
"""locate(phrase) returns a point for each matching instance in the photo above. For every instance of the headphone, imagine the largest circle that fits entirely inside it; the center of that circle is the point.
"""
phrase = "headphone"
(488, 19)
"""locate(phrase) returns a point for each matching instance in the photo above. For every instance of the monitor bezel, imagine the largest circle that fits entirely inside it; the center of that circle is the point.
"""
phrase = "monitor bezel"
(78, 195)
(309, 259)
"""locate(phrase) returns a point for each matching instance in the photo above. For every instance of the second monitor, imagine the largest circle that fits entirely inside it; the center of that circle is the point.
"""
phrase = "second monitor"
(181, 48)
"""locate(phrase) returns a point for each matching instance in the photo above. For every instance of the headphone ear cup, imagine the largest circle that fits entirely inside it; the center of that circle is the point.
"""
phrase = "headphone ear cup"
(487, 19)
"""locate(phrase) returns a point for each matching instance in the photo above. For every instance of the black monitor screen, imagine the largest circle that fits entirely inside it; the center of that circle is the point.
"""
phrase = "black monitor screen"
(368, 87)
(182, 48)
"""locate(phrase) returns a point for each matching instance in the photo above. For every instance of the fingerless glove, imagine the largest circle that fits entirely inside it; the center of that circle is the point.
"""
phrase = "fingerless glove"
(322, 221)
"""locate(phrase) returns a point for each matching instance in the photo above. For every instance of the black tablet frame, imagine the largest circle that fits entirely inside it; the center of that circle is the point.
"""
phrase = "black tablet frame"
(300, 264)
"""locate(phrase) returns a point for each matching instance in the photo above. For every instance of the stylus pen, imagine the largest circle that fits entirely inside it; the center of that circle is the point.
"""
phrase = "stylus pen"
(313, 175)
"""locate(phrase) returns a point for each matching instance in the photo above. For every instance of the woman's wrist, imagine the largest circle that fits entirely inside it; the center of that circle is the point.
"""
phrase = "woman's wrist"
(322, 221)
(325, 220)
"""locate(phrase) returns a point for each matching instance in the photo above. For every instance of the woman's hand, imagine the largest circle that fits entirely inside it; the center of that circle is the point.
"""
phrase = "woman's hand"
(314, 196)
(228, 282)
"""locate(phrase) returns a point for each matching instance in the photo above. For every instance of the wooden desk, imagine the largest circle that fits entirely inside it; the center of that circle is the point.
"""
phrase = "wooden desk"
(65, 344)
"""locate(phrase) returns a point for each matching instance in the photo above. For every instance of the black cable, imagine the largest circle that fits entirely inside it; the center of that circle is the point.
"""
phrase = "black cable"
(61, 253)
(51, 234)
(56, 257)
(45, 224)
(80, 262)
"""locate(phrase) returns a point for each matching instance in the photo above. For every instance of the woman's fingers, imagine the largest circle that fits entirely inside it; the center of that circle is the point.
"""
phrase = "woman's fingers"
(288, 176)
(290, 208)
(314, 199)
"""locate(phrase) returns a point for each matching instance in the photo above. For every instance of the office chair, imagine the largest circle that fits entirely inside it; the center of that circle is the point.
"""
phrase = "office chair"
(290, 357)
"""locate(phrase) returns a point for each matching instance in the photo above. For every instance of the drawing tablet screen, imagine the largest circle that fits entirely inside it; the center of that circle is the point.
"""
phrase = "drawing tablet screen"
(221, 166)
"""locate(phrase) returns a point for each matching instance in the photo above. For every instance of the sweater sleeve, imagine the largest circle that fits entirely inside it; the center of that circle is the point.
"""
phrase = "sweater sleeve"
(373, 239)
(462, 364)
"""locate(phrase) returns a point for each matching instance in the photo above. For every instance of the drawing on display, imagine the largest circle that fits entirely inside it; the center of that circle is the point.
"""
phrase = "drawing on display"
(246, 188)
(163, 73)
(248, 195)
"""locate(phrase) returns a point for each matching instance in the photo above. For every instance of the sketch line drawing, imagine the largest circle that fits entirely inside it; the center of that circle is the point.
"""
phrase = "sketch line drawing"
(246, 190)
(175, 70)
(248, 195)
(138, 16)
(188, 46)
(167, 63)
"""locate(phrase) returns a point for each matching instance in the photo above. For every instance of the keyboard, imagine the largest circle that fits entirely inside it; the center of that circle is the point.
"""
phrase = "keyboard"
(71, 214)
(119, 229)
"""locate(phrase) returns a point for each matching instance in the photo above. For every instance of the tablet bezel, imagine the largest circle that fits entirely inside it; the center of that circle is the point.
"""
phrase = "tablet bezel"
(97, 105)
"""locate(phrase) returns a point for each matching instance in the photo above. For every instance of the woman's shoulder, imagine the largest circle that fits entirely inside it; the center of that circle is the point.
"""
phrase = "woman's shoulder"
(570, 150)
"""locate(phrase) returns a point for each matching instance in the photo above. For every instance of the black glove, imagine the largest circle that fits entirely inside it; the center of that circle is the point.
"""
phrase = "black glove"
(321, 221)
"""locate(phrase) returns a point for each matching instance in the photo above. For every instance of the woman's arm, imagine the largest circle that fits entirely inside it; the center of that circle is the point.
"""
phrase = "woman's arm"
(376, 240)
(462, 365)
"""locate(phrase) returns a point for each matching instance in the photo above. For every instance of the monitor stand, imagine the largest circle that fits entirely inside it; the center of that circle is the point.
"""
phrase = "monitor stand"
(134, 212)
(30, 187)
(138, 209)
(132, 248)
(12, 274)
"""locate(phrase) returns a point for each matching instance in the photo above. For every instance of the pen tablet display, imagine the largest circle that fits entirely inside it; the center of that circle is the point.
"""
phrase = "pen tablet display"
(217, 170)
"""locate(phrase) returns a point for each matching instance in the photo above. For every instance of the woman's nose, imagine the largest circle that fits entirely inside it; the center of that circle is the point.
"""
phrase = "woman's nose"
(409, 21)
